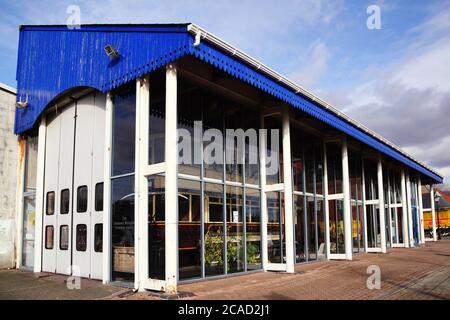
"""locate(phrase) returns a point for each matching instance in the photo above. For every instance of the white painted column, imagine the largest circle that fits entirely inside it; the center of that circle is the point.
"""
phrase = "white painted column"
(262, 173)
(381, 205)
(171, 195)
(326, 205)
(433, 213)
(287, 178)
(408, 202)
(22, 156)
(404, 209)
(107, 213)
(363, 197)
(38, 239)
(347, 205)
(420, 202)
(141, 182)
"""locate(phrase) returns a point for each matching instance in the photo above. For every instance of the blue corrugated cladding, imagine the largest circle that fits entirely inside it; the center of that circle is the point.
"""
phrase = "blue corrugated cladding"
(54, 59)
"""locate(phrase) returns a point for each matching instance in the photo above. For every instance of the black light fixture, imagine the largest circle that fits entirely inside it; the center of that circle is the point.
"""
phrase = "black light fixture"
(111, 52)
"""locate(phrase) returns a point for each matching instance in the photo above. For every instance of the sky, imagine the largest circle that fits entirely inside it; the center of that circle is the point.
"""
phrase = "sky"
(394, 79)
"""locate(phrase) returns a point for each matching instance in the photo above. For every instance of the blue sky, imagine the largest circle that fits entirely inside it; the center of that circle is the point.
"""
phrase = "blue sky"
(395, 80)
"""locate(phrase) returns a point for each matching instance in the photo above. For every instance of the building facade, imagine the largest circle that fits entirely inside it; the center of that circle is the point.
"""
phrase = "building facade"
(9, 158)
(166, 155)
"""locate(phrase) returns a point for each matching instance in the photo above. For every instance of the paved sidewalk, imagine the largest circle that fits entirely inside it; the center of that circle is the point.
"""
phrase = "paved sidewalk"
(417, 273)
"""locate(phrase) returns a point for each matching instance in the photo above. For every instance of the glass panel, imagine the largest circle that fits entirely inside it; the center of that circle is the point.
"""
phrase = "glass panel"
(122, 198)
(297, 159)
(275, 227)
(235, 229)
(234, 159)
(336, 211)
(400, 224)
(157, 123)
(50, 203)
(274, 152)
(309, 168)
(81, 237)
(189, 230)
(334, 170)
(321, 229)
(156, 227)
(373, 226)
(299, 228)
(65, 200)
(49, 237)
(124, 124)
(190, 103)
(99, 197)
(251, 121)
(214, 241)
(29, 213)
(213, 153)
(371, 179)
(253, 226)
(319, 168)
(64, 237)
(98, 237)
(31, 163)
(82, 198)
(311, 228)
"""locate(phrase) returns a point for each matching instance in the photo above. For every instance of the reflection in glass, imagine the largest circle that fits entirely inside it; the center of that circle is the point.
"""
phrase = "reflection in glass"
(336, 212)
(235, 230)
(299, 228)
(156, 227)
(253, 228)
(213, 110)
(157, 115)
(373, 226)
(311, 228)
(122, 198)
(189, 232)
(124, 123)
(214, 240)
(275, 227)
(29, 213)
(321, 252)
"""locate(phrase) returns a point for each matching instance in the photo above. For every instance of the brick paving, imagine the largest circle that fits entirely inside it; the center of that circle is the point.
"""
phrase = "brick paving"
(416, 273)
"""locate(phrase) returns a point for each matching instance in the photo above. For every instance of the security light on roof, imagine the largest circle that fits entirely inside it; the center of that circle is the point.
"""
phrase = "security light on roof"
(111, 52)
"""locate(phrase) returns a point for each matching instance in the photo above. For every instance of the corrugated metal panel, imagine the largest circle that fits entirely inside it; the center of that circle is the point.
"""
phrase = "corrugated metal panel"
(55, 59)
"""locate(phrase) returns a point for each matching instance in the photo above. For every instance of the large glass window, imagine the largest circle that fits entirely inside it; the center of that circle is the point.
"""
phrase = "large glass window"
(213, 150)
(124, 123)
(214, 229)
(253, 228)
(274, 154)
(156, 227)
(189, 229)
(336, 212)
(122, 198)
(275, 227)
(299, 228)
(157, 123)
(251, 122)
(235, 229)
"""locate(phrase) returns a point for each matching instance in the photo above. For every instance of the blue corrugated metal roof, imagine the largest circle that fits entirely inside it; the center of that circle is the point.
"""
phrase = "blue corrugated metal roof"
(53, 59)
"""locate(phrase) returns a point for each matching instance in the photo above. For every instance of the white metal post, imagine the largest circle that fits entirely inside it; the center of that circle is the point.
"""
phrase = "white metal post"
(364, 212)
(433, 213)
(419, 196)
(262, 172)
(287, 172)
(171, 195)
(404, 209)
(381, 205)
(347, 206)
(38, 242)
(408, 202)
(23, 155)
(107, 213)
(325, 199)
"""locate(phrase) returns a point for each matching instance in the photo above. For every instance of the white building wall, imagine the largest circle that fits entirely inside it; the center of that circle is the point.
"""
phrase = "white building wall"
(9, 154)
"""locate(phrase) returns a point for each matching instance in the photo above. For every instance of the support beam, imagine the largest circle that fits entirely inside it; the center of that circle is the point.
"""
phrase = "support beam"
(326, 205)
(381, 204)
(420, 202)
(404, 209)
(287, 172)
(433, 213)
(107, 213)
(262, 172)
(409, 211)
(171, 195)
(347, 205)
(38, 241)
(20, 188)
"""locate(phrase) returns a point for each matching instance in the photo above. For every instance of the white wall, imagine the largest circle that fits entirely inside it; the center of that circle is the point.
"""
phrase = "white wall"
(9, 152)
